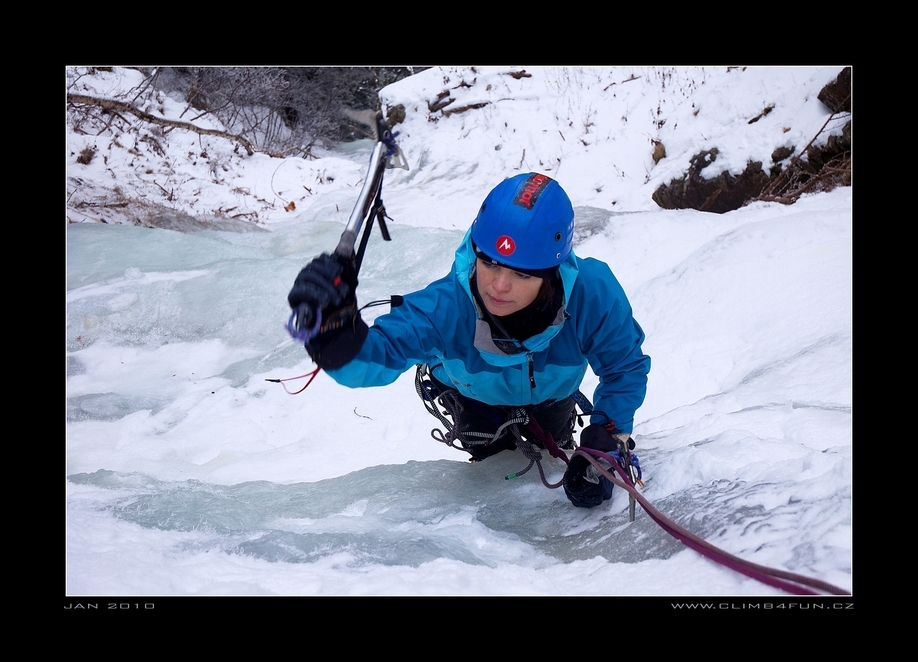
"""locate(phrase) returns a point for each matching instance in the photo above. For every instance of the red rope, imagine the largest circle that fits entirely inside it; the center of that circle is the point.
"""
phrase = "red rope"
(310, 375)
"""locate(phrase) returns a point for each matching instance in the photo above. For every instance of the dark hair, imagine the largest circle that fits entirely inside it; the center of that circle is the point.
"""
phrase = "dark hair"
(547, 291)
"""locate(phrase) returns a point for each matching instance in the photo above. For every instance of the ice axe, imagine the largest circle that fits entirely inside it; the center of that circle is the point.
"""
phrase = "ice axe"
(304, 322)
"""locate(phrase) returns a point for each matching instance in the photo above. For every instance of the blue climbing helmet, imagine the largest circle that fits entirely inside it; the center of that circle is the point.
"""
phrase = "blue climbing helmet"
(526, 222)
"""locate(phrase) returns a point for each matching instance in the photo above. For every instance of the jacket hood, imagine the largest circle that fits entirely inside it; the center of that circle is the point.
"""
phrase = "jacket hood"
(464, 267)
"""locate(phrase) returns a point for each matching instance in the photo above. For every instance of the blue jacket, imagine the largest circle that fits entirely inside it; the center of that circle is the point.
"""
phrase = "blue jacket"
(441, 326)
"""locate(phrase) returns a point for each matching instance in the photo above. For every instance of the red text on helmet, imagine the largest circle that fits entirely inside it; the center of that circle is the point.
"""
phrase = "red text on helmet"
(531, 190)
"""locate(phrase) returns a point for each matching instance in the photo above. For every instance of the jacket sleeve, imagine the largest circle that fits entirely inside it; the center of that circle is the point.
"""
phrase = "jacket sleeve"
(611, 340)
(397, 341)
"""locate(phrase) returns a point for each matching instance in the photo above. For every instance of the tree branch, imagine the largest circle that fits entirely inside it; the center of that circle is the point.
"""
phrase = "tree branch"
(120, 106)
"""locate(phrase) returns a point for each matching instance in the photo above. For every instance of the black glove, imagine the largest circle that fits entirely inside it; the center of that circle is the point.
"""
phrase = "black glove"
(328, 286)
(600, 438)
(584, 486)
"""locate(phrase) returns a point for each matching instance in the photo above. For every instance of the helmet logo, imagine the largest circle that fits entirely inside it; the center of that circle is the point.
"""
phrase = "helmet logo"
(505, 245)
(531, 189)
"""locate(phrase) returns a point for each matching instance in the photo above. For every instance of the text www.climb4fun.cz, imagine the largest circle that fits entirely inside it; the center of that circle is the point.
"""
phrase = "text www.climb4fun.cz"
(803, 606)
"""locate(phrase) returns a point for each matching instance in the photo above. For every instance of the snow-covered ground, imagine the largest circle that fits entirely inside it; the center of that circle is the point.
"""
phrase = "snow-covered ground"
(189, 474)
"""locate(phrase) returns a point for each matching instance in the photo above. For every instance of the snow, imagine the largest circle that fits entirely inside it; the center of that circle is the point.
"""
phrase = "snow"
(188, 474)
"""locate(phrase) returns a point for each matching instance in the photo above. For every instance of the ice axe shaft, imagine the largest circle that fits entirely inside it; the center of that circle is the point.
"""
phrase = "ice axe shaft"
(304, 322)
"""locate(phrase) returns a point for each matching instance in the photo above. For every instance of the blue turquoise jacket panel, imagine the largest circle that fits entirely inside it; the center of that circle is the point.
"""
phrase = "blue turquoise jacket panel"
(441, 326)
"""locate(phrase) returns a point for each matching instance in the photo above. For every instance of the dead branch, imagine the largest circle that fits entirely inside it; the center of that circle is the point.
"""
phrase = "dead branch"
(773, 188)
(462, 109)
(120, 106)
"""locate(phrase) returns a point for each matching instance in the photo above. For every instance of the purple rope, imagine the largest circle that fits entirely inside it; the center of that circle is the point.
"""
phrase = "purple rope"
(786, 581)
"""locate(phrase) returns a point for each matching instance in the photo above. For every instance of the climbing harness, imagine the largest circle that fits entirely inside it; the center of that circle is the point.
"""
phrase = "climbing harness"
(518, 421)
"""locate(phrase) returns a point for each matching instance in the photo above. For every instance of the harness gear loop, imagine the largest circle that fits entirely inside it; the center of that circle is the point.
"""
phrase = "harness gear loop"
(528, 449)
(452, 408)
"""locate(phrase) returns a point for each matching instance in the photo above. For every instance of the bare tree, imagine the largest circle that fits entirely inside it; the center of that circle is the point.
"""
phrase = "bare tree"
(280, 109)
